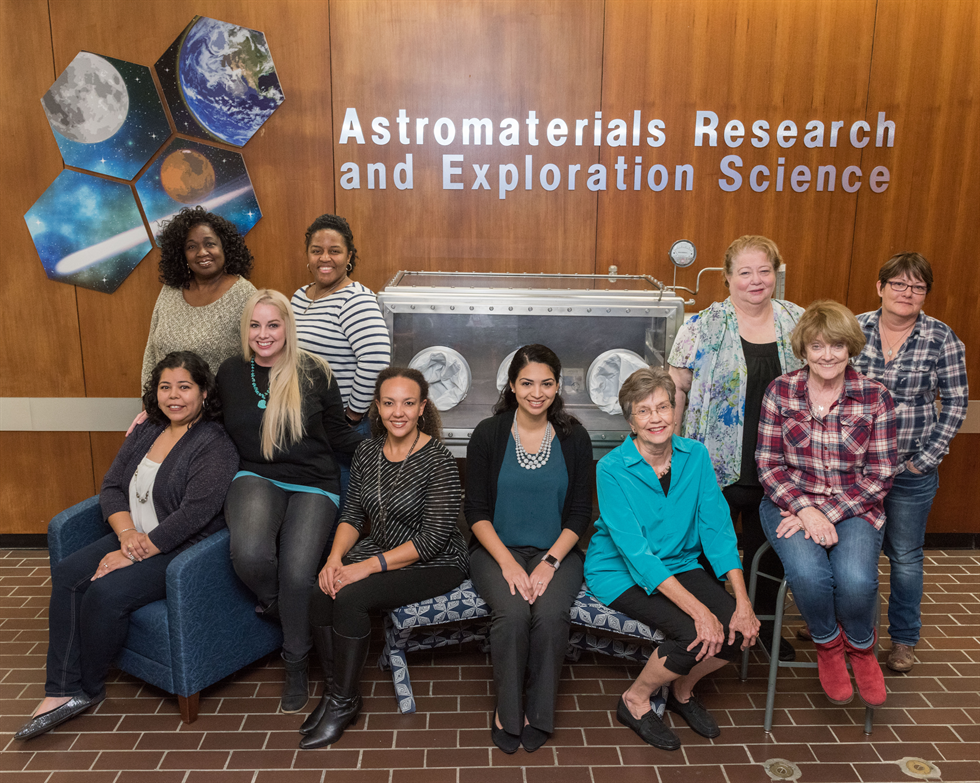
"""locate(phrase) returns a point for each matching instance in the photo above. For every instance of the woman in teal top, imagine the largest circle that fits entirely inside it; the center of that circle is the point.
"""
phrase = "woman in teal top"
(660, 508)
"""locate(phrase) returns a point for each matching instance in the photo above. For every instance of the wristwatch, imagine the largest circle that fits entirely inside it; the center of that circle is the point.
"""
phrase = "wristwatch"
(551, 560)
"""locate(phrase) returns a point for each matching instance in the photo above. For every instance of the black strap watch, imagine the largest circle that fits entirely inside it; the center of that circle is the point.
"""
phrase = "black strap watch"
(551, 560)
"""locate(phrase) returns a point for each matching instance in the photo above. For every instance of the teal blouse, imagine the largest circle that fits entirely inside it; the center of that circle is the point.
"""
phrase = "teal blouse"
(643, 536)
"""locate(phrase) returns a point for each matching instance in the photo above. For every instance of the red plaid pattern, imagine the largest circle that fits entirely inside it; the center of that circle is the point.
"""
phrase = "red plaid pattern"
(842, 465)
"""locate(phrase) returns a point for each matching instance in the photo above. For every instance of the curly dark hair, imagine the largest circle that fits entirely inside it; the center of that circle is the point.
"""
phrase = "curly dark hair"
(429, 422)
(201, 375)
(560, 419)
(174, 271)
(338, 224)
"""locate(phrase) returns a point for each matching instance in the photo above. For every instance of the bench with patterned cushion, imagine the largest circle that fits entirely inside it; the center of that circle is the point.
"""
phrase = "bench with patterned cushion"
(461, 615)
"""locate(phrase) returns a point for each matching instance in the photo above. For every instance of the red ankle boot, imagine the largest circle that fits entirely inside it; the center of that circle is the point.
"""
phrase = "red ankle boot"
(867, 672)
(832, 669)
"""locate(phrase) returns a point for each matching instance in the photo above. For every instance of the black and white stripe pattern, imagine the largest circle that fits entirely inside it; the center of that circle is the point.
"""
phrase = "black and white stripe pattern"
(422, 508)
(348, 330)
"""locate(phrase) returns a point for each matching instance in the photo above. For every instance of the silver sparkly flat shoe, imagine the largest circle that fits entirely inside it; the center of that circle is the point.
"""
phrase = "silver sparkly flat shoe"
(46, 721)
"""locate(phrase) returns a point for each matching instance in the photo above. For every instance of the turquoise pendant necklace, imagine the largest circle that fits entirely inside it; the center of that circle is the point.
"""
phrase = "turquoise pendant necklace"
(262, 397)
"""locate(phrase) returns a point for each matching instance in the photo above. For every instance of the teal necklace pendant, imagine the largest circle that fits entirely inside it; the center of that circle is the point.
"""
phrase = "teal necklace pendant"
(262, 397)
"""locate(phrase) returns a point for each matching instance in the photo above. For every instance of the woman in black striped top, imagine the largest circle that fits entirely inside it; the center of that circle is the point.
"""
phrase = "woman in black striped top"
(405, 482)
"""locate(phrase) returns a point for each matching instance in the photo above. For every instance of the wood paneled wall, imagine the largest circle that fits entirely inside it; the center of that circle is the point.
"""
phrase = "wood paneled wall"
(745, 60)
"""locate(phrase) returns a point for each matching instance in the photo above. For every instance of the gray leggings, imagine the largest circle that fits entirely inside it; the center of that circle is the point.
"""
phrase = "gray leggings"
(277, 540)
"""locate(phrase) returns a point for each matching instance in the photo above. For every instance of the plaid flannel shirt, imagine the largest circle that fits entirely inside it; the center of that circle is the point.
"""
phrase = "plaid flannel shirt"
(930, 364)
(842, 465)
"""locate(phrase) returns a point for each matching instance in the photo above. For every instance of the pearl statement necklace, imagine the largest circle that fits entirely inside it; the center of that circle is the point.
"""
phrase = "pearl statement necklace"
(262, 397)
(533, 461)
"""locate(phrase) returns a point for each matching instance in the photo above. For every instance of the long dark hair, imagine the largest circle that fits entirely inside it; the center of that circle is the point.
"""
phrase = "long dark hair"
(201, 375)
(430, 423)
(560, 419)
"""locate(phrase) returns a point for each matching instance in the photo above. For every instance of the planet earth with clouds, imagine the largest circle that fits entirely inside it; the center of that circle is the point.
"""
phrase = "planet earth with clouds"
(228, 79)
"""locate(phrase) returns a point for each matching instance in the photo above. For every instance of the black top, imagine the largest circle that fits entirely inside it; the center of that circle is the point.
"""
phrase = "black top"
(189, 490)
(422, 507)
(762, 364)
(665, 482)
(485, 456)
(310, 462)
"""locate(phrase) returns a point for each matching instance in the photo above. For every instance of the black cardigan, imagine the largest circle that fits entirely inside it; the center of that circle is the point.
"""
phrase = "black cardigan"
(190, 486)
(485, 456)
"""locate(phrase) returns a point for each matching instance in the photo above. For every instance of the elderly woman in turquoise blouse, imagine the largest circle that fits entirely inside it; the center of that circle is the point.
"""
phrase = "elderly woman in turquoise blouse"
(722, 361)
(660, 509)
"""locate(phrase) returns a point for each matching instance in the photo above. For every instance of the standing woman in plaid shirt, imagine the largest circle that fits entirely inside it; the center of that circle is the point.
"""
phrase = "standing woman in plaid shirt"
(919, 360)
(826, 459)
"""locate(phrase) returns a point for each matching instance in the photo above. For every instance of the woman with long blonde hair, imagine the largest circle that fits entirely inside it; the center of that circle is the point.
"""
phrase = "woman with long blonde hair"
(284, 412)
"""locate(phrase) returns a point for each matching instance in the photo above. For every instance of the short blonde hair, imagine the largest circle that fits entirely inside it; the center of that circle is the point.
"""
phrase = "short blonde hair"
(831, 321)
(641, 384)
(751, 242)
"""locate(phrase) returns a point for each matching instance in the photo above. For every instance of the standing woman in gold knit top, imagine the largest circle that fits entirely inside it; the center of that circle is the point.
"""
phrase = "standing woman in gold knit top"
(204, 266)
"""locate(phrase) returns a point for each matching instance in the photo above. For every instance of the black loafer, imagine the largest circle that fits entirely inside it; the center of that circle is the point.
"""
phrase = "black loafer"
(46, 721)
(532, 738)
(649, 728)
(697, 717)
(507, 742)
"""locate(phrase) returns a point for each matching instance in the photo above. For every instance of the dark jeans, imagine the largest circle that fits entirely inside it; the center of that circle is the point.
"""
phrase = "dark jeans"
(744, 501)
(344, 461)
(350, 613)
(527, 640)
(277, 542)
(658, 611)
(89, 620)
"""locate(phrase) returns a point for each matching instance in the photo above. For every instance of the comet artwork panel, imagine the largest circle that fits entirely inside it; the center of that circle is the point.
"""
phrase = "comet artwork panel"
(88, 231)
(188, 173)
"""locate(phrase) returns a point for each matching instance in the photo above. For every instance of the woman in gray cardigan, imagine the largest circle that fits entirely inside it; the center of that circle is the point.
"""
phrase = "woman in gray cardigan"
(164, 492)
(528, 501)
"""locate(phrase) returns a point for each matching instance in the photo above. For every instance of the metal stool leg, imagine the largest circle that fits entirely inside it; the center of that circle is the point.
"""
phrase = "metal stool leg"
(777, 631)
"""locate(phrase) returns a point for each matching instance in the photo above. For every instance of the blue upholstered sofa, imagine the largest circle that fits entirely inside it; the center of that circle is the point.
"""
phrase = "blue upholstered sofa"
(205, 629)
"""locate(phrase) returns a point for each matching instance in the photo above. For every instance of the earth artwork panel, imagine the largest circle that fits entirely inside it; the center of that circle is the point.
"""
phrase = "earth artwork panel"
(88, 231)
(219, 81)
(189, 173)
(106, 115)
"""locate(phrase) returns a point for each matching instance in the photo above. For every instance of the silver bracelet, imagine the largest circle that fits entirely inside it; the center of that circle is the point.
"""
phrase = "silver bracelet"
(125, 531)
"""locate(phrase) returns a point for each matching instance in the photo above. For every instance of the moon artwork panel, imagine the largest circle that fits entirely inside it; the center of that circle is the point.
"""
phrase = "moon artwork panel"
(106, 115)
(88, 231)
(190, 173)
(219, 81)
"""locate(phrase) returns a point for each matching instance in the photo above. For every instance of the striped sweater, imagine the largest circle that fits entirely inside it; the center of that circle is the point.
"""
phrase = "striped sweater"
(348, 330)
(422, 508)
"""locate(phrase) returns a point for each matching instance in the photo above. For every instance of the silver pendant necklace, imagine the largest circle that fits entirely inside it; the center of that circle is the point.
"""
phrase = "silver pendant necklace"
(533, 461)
(382, 502)
(136, 487)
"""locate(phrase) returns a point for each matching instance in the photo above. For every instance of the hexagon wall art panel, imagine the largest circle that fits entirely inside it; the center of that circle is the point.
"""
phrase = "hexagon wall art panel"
(219, 81)
(88, 231)
(188, 173)
(106, 115)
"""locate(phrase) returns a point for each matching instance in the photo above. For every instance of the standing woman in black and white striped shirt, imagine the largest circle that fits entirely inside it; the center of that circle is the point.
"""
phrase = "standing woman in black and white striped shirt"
(405, 482)
(340, 320)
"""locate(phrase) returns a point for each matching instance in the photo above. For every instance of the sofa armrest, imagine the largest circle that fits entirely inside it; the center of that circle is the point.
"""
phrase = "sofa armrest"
(214, 630)
(74, 528)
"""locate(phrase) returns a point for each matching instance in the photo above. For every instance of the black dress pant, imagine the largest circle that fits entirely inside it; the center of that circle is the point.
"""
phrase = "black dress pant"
(527, 641)
(744, 501)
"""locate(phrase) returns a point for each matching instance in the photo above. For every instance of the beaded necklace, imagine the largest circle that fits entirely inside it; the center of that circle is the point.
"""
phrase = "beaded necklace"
(533, 461)
(382, 502)
(262, 397)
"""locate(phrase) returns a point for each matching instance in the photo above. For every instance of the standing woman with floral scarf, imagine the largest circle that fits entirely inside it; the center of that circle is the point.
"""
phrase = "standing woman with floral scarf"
(722, 361)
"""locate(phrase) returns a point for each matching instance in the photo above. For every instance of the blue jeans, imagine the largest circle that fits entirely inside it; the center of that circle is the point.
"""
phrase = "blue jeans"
(344, 460)
(907, 507)
(836, 586)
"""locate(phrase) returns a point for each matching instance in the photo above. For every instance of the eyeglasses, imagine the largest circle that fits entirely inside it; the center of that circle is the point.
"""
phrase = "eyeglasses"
(645, 413)
(899, 287)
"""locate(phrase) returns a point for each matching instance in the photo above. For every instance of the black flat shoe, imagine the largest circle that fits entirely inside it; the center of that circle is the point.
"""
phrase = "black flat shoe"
(697, 717)
(649, 728)
(507, 742)
(43, 723)
(532, 738)
(786, 650)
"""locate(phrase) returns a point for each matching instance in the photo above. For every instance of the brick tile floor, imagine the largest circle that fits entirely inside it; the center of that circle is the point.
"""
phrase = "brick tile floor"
(136, 735)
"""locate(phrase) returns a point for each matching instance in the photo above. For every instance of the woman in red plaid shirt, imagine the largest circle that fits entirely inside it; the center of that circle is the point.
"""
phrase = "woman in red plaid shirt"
(826, 456)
